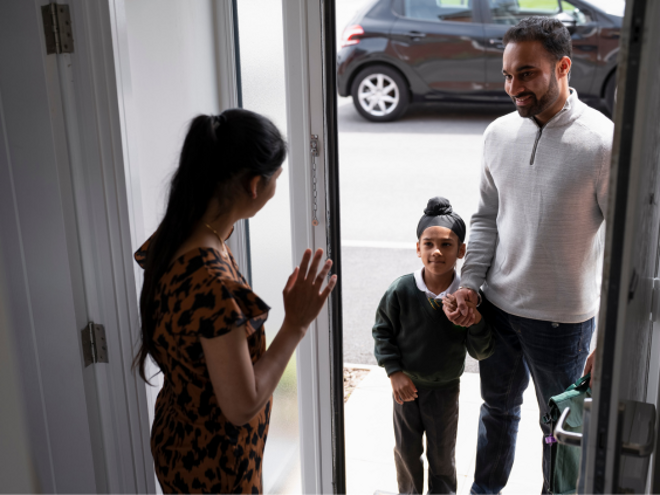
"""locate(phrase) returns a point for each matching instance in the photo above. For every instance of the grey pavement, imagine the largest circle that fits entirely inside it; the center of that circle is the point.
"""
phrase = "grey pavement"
(370, 439)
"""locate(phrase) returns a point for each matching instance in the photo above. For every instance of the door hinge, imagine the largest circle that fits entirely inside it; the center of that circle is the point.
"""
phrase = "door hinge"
(95, 347)
(57, 28)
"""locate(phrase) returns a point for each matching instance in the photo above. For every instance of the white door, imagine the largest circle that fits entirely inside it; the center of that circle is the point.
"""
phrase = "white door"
(196, 43)
(628, 369)
(627, 366)
(63, 236)
(309, 47)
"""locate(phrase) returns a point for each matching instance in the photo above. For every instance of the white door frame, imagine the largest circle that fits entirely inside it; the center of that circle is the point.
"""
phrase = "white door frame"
(91, 102)
(308, 105)
(91, 96)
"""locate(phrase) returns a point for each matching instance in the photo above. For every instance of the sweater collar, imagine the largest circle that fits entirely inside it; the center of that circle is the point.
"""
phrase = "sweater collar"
(421, 285)
(571, 110)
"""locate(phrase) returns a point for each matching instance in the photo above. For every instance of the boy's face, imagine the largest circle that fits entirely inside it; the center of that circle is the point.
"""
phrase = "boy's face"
(439, 248)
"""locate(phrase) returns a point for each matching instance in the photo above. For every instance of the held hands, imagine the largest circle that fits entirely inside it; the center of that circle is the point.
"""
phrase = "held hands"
(461, 307)
(403, 387)
(303, 298)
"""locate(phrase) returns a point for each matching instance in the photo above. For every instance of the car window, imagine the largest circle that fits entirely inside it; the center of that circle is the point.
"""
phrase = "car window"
(612, 7)
(512, 11)
(438, 10)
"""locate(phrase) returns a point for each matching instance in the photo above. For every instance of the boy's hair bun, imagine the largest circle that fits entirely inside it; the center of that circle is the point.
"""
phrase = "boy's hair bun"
(439, 213)
(438, 206)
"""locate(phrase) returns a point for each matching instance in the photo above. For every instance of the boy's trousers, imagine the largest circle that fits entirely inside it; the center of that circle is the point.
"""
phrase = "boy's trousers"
(434, 412)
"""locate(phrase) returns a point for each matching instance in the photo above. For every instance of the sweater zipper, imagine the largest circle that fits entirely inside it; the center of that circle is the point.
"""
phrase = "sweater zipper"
(539, 132)
(536, 144)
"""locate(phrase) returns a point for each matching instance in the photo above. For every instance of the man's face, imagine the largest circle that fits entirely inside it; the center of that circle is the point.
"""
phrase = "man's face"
(530, 77)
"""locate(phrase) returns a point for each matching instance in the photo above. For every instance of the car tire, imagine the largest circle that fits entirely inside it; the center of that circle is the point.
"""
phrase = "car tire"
(610, 93)
(380, 93)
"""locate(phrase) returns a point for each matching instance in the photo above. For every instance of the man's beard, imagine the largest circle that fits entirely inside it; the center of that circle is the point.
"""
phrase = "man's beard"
(539, 106)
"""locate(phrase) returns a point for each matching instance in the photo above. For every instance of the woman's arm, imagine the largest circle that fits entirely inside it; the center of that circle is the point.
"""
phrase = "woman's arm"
(242, 388)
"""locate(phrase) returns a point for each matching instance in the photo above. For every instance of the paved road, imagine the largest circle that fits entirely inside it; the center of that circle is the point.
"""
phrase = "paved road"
(388, 172)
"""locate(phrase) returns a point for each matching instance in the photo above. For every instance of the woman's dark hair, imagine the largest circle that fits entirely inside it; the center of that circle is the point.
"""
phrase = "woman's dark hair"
(552, 34)
(218, 152)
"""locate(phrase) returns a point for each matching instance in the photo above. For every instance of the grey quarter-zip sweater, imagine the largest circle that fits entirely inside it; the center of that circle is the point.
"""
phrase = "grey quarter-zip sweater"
(534, 247)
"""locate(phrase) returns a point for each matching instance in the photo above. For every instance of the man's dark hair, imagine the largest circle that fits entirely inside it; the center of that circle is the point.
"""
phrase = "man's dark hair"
(551, 33)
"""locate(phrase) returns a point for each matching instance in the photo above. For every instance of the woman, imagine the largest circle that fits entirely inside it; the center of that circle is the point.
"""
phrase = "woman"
(201, 322)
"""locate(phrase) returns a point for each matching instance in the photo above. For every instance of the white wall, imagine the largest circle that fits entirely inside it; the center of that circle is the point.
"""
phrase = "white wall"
(174, 78)
(17, 473)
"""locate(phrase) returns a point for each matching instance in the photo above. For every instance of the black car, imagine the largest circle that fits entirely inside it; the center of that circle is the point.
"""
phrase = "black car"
(398, 51)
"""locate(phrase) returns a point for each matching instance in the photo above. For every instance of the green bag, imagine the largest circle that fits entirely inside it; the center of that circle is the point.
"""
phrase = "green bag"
(565, 460)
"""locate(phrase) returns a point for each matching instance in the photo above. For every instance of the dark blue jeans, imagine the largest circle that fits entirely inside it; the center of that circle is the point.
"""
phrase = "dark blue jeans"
(554, 354)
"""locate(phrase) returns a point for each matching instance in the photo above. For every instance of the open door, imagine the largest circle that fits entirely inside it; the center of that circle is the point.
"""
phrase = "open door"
(620, 436)
(310, 58)
(628, 364)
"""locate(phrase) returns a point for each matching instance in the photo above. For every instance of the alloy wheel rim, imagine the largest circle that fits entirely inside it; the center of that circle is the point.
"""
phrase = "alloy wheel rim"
(378, 95)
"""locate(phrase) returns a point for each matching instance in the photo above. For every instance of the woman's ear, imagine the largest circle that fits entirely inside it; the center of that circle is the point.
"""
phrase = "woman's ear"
(461, 250)
(419, 252)
(253, 186)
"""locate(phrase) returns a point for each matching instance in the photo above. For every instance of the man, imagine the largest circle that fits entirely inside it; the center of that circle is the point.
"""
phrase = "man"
(534, 247)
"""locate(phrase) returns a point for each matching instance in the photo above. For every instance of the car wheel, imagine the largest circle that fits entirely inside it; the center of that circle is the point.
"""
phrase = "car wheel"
(380, 93)
(610, 94)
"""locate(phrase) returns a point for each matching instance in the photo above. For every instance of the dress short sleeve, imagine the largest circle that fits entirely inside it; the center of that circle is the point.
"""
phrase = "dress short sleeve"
(141, 254)
(234, 305)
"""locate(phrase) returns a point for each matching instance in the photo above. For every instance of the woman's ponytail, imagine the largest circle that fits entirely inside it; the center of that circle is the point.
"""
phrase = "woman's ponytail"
(217, 150)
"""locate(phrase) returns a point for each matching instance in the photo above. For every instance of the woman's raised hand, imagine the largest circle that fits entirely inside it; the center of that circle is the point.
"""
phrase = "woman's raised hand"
(303, 297)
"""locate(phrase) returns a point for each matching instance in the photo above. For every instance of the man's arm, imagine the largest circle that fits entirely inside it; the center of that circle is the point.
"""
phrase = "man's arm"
(590, 365)
(603, 181)
(481, 248)
(602, 194)
(483, 234)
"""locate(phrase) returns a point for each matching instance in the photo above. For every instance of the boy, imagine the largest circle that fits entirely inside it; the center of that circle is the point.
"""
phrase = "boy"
(424, 354)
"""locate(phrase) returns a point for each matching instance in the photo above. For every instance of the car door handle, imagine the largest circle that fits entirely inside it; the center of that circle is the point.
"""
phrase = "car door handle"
(415, 34)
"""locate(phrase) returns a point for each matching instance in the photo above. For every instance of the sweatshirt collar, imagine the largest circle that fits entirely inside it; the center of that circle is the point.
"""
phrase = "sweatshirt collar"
(421, 285)
(567, 114)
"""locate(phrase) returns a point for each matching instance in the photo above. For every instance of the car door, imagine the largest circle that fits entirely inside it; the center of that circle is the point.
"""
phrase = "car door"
(582, 23)
(442, 41)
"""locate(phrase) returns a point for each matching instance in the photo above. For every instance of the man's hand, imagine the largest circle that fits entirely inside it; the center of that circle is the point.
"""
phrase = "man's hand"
(403, 387)
(449, 305)
(465, 303)
(589, 366)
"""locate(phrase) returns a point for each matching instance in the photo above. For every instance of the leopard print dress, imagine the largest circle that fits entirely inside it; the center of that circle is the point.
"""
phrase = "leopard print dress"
(195, 448)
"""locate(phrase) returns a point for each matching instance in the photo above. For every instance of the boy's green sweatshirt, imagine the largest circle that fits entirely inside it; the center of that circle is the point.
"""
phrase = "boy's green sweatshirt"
(414, 336)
